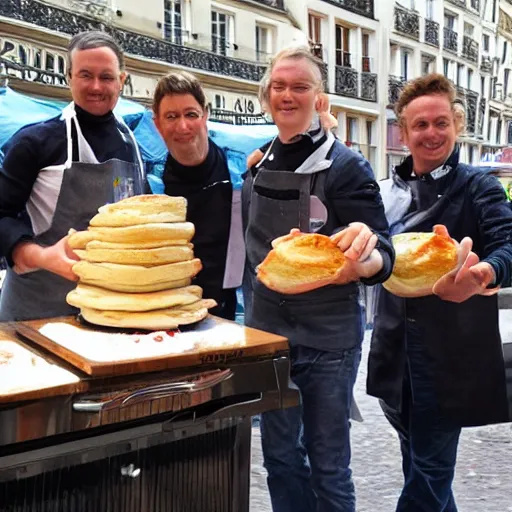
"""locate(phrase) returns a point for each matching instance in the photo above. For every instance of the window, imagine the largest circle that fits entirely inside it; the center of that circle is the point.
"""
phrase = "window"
(343, 46)
(446, 67)
(430, 9)
(482, 85)
(22, 54)
(471, 154)
(173, 21)
(498, 131)
(506, 80)
(369, 133)
(449, 21)
(315, 35)
(50, 62)
(263, 43)
(315, 26)
(366, 64)
(404, 64)
(509, 133)
(485, 42)
(469, 29)
(220, 101)
(427, 64)
(351, 130)
(470, 78)
(494, 5)
(37, 59)
(460, 69)
(222, 25)
(504, 56)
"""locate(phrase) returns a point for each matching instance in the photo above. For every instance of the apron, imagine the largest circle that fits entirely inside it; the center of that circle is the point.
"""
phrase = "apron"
(86, 185)
(327, 319)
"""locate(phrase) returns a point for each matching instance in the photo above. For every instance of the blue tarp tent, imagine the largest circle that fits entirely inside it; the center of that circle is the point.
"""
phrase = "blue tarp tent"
(237, 142)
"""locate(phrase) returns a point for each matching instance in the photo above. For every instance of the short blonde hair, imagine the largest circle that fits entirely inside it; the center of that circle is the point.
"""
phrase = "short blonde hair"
(292, 52)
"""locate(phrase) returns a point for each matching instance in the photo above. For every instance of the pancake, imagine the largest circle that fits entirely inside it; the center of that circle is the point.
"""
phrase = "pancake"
(169, 318)
(135, 278)
(143, 233)
(97, 244)
(421, 259)
(85, 296)
(144, 257)
(300, 263)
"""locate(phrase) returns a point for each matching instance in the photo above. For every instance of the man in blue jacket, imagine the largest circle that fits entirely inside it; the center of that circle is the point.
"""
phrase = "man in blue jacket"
(436, 361)
(309, 180)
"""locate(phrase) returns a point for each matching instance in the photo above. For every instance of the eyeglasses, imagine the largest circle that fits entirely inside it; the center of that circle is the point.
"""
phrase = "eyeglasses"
(191, 116)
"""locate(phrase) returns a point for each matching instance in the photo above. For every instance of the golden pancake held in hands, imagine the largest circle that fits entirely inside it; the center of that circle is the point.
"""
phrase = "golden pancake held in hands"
(169, 318)
(421, 259)
(85, 296)
(144, 257)
(293, 265)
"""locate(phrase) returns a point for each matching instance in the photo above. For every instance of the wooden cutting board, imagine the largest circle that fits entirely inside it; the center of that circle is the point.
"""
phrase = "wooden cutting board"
(108, 353)
(25, 375)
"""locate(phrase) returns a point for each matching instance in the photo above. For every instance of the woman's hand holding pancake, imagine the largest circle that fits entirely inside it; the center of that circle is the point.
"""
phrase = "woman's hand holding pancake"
(471, 277)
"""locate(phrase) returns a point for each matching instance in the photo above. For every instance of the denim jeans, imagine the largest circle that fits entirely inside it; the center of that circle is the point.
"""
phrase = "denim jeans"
(306, 449)
(428, 441)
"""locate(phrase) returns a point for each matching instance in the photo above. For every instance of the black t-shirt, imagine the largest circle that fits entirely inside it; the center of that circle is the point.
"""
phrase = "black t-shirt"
(208, 190)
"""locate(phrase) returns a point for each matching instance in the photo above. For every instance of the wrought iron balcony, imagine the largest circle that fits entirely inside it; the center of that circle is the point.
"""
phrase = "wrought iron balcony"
(470, 49)
(369, 86)
(231, 117)
(346, 83)
(450, 40)
(31, 73)
(432, 32)
(486, 64)
(278, 4)
(471, 109)
(407, 22)
(54, 18)
(396, 84)
(481, 117)
(458, 3)
(362, 7)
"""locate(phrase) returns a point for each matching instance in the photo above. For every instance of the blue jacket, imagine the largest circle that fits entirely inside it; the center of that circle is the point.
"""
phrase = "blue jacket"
(461, 340)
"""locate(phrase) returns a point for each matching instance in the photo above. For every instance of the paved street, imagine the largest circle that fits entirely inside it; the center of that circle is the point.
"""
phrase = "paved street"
(483, 481)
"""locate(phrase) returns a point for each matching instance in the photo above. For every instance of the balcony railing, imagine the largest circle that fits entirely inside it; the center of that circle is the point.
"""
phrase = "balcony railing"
(481, 116)
(486, 64)
(31, 73)
(407, 22)
(277, 4)
(432, 32)
(458, 3)
(362, 7)
(470, 49)
(230, 117)
(369, 86)
(67, 22)
(471, 109)
(450, 40)
(396, 84)
(346, 82)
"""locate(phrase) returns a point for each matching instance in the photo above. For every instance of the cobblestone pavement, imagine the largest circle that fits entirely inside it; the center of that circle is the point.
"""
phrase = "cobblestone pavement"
(483, 481)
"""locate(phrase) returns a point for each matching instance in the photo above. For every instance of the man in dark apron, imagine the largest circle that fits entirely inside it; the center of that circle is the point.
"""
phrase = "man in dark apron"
(57, 174)
(310, 181)
(437, 361)
(197, 169)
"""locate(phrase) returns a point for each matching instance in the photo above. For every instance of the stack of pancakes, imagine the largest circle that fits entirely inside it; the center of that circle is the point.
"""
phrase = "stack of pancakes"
(137, 264)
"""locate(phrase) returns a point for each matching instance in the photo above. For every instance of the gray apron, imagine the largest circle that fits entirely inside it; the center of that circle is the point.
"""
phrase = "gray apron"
(329, 318)
(86, 185)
